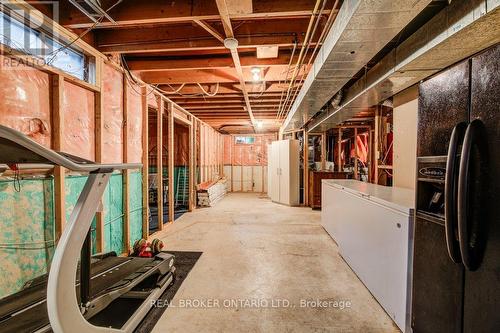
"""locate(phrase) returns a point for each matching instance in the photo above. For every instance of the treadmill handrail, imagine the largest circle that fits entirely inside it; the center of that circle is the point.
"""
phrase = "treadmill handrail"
(56, 158)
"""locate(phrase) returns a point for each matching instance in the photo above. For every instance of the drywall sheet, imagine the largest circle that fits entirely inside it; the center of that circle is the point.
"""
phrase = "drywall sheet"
(135, 207)
(25, 101)
(134, 112)
(112, 115)
(113, 214)
(79, 122)
(27, 232)
(73, 187)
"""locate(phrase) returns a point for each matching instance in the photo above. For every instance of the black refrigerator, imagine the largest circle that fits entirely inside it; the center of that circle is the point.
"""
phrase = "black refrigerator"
(456, 259)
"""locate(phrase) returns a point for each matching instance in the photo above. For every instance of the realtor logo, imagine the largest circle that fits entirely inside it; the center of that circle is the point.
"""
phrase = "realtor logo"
(27, 34)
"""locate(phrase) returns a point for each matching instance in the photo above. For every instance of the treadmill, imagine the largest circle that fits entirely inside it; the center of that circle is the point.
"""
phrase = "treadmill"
(81, 293)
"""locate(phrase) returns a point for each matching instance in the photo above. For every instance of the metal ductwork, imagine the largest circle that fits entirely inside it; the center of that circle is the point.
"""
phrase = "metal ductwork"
(362, 28)
(458, 31)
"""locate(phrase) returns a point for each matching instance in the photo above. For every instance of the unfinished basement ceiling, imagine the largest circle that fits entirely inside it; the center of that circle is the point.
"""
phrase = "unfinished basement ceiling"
(178, 46)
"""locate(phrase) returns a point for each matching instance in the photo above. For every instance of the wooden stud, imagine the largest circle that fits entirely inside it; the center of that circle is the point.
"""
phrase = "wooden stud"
(306, 168)
(126, 173)
(145, 163)
(376, 145)
(159, 161)
(323, 150)
(339, 150)
(191, 192)
(99, 130)
(170, 161)
(58, 139)
(356, 176)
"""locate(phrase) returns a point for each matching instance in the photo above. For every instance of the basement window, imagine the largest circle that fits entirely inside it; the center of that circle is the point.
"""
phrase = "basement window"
(244, 140)
(45, 50)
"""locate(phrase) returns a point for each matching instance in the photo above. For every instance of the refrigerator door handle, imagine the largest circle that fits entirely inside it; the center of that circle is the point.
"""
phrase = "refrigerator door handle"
(450, 193)
(472, 179)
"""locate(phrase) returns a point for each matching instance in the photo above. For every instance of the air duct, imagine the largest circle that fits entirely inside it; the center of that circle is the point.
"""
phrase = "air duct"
(362, 28)
(457, 32)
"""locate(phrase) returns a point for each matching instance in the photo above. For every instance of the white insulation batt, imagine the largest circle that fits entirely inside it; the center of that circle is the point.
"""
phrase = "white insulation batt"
(208, 197)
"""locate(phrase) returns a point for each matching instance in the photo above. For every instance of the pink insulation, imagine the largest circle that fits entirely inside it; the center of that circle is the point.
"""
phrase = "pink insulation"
(181, 145)
(25, 101)
(227, 149)
(112, 115)
(134, 109)
(79, 124)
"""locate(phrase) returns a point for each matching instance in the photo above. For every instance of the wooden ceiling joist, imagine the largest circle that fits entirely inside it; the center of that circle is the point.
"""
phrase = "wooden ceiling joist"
(154, 12)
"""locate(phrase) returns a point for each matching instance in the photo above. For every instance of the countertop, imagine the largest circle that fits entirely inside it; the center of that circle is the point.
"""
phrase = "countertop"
(398, 198)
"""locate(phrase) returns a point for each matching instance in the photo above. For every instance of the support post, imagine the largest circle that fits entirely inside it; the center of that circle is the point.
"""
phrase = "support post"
(145, 163)
(323, 150)
(170, 160)
(99, 130)
(339, 150)
(192, 193)
(126, 173)
(376, 144)
(356, 175)
(159, 161)
(306, 168)
(58, 138)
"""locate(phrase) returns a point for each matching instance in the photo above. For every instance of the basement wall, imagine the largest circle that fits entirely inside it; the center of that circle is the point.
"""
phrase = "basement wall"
(245, 164)
(405, 114)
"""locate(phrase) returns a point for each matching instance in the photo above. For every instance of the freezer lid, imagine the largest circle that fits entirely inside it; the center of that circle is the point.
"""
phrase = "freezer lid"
(397, 198)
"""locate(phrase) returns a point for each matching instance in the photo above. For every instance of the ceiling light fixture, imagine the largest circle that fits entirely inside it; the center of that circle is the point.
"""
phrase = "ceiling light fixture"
(260, 124)
(231, 43)
(255, 74)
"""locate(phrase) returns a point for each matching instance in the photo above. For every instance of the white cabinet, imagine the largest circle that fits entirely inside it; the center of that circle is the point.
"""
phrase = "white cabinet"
(373, 226)
(283, 172)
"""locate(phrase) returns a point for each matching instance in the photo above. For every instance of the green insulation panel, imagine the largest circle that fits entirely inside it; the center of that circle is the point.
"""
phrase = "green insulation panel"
(26, 231)
(73, 187)
(135, 207)
(113, 215)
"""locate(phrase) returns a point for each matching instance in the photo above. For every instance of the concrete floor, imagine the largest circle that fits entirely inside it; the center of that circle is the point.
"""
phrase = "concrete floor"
(261, 261)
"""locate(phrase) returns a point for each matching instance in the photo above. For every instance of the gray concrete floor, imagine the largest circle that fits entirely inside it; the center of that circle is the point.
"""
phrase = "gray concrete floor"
(261, 263)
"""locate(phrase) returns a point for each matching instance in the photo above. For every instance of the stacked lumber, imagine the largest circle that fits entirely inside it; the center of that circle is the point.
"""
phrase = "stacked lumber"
(211, 192)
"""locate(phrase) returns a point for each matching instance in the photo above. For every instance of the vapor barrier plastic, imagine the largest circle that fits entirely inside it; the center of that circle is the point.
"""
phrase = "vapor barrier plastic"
(112, 115)
(79, 123)
(135, 207)
(27, 232)
(134, 109)
(25, 101)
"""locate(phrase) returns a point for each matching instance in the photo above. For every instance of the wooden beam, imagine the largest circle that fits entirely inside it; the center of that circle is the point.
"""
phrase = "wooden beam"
(226, 23)
(58, 139)
(192, 193)
(136, 63)
(155, 12)
(209, 29)
(145, 163)
(170, 161)
(306, 168)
